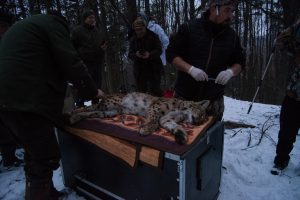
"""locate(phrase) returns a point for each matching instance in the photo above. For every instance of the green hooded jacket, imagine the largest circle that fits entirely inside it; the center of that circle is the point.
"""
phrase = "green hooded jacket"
(88, 40)
(37, 59)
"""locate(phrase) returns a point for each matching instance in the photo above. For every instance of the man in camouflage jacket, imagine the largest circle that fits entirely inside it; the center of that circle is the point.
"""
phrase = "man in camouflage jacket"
(290, 108)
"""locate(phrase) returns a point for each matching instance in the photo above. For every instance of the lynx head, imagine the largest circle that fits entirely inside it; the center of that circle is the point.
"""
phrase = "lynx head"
(196, 111)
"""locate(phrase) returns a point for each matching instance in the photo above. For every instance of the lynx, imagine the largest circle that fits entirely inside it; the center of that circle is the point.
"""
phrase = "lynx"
(158, 111)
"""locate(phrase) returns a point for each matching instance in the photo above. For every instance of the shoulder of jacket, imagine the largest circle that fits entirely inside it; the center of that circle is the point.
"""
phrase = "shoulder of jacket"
(151, 33)
(187, 26)
(78, 27)
(195, 22)
(232, 32)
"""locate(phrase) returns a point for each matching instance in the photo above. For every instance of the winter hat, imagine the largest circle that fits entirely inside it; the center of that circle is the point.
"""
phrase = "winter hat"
(221, 2)
(87, 13)
(138, 23)
(143, 16)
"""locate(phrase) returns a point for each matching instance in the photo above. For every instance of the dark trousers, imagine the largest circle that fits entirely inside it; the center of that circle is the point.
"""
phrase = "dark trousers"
(95, 70)
(8, 146)
(148, 81)
(37, 136)
(289, 126)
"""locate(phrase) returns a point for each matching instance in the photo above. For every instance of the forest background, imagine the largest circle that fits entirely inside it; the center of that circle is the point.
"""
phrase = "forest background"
(257, 22)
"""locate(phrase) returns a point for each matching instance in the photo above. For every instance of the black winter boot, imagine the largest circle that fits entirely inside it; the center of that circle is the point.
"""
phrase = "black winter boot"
(279, 165)
(42, 191)
(55, 194)
(37, 190)
(9, 158)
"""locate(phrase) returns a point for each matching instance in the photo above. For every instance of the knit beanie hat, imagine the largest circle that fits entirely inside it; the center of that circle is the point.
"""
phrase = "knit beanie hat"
(87, 13)
(143, 16)
(221, 2)
(138, 23)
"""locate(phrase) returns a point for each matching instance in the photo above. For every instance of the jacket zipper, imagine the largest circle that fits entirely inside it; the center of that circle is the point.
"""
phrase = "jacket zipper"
(209, 55)
(211, 47)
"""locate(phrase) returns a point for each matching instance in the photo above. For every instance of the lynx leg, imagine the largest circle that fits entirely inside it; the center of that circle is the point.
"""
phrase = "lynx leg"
(152, 120)
(85, 109)
(169, 122)
(148, 128)
(94, 114)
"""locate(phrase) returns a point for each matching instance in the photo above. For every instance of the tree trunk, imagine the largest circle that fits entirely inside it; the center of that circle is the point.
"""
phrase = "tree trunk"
(147, 8)
(192, 9)
(131, 10)
(58, 5)
(185, 10)
(22, 7)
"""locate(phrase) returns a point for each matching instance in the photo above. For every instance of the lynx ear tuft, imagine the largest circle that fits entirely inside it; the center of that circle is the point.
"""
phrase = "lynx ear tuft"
(204, 103)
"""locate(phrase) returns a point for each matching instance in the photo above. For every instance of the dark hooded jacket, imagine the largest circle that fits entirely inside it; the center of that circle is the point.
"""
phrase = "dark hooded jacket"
(88, 40)
(208, 46)
(37, 59)
(151, 43)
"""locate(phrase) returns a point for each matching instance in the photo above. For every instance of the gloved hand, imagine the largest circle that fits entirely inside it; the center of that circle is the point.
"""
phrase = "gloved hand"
(224, 76)
(198, 74)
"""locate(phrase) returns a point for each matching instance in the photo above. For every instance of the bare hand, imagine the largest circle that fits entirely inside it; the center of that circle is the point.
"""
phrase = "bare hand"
(104, 45)
(100, 94)
(144, 55)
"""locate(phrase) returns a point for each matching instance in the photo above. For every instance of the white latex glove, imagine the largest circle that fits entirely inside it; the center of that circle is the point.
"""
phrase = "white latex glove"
(198, 74)
(224, 76)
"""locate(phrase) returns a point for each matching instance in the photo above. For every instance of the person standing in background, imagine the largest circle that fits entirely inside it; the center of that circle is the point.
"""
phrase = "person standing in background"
(153, 26)
(290, 107)
(91, 44)
(144, 50)
(159, 31)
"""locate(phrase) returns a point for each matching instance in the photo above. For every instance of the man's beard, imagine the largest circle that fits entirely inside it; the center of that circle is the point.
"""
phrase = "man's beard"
(227, 22)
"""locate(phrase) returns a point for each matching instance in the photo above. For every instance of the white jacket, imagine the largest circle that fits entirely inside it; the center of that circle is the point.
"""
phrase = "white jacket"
(164, 39)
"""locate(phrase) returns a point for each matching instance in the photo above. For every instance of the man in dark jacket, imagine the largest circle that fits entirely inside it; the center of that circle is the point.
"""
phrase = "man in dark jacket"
(8, 145)
(145, 49)
(37, 59)
(207, 54)
(90, 43)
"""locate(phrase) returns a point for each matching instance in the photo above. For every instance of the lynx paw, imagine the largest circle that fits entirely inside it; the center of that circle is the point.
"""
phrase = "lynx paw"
(147, 129)
(144, 131)
(74, 119)
(181, 137)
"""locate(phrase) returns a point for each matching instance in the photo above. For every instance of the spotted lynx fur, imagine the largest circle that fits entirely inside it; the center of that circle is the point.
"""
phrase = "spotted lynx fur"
(164, 112)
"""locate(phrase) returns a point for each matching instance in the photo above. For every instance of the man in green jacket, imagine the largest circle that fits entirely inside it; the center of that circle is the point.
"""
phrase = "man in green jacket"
(37, 59)
(90, 44)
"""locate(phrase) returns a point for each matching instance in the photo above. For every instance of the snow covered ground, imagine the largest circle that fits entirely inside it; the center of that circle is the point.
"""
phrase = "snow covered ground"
(247, 160)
